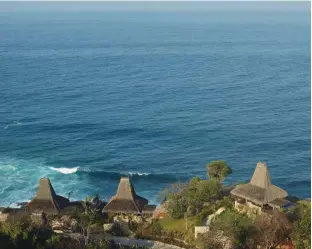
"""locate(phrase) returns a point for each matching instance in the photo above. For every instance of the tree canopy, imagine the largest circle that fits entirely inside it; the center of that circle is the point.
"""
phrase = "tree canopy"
(234, 226)
(189, 198)
(218, 170)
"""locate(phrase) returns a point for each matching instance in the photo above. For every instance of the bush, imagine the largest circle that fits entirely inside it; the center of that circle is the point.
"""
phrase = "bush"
(20, 233)
(54, 242)
(156, 228)
(190, 198)
(225, 202)
(301, 234)
(234, 226)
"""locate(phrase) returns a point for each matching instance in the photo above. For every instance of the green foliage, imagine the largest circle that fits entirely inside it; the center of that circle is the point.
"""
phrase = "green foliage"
(207, 210)
(218, 170)
(20, 233)
(156, 228)
(301, 234)
(105, 244)
(235, 226)
(189, 198)
(177, 200)
(194, 181)
(177, 206)
(208, 190)
(54, 242)
(225, 202)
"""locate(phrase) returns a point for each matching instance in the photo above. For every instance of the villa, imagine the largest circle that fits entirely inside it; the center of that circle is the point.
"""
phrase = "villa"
(259, 194)
(46, 200)
(126, 201)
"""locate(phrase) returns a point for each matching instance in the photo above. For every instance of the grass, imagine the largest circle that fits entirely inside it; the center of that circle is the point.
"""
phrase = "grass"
(178, 225)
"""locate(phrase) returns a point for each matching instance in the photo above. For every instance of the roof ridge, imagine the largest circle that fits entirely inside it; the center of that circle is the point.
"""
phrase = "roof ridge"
(261, 177)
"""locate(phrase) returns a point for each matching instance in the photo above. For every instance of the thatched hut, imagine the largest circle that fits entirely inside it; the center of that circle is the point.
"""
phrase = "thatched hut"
(260, 191)
(46, 200)
(126, 201)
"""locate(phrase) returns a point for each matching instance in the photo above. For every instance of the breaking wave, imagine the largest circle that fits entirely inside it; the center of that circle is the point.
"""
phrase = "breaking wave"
(150, 177)
(111, 175)
(65, 170)
(137, 173)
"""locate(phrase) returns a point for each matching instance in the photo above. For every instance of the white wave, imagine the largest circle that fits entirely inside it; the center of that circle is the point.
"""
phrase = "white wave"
(138, 173)
(65, 170)
(7, 167)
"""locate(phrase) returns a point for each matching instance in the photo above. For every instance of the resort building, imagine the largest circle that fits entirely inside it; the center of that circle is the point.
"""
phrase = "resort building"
(126, 201)
(259, 193)
(46, 200)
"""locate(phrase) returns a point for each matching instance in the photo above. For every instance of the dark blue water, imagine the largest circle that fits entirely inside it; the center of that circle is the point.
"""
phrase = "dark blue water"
(156, 95)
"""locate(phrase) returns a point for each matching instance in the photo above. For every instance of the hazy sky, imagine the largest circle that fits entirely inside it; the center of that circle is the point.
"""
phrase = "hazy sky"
(152, 6)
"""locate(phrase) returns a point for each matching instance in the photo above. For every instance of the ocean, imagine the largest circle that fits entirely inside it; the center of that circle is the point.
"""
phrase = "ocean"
(93, 91)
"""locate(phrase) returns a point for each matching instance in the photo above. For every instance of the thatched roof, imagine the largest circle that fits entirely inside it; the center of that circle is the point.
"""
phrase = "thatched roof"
(149, 209)
(46, 200)
(279, 203)
(259, 190)
(126, 200)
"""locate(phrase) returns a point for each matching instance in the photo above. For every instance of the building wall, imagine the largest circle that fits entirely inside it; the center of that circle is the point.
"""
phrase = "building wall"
(248, 208)
(200, 230)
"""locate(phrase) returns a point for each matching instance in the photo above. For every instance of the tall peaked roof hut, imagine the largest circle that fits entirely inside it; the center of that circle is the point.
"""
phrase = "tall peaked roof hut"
(260, 190)
(46, 200)
(126, 200)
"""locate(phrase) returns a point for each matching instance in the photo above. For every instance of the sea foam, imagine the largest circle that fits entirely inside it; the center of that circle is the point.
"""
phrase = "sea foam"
(65, 170)
(137, 173)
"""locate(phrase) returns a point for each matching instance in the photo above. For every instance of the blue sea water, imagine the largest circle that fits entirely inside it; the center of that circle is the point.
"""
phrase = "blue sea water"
(88, 95)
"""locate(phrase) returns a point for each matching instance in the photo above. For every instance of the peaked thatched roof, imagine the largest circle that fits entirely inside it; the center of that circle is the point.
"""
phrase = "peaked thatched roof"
(46, 200)
(259, 190)
(126, 200)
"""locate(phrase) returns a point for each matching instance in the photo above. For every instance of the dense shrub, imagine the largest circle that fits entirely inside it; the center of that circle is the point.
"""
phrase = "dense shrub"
(189, 198)
(234, 226)
(301, 234)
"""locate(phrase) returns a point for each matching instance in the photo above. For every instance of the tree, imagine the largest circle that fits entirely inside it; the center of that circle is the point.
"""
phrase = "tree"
(190, 197)
(208, 190)
(193, 199)
(301, 234)
(234, 226)
(176, 196)
(218, 170)
(272, 229)
(177, 205)
(91, 214)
